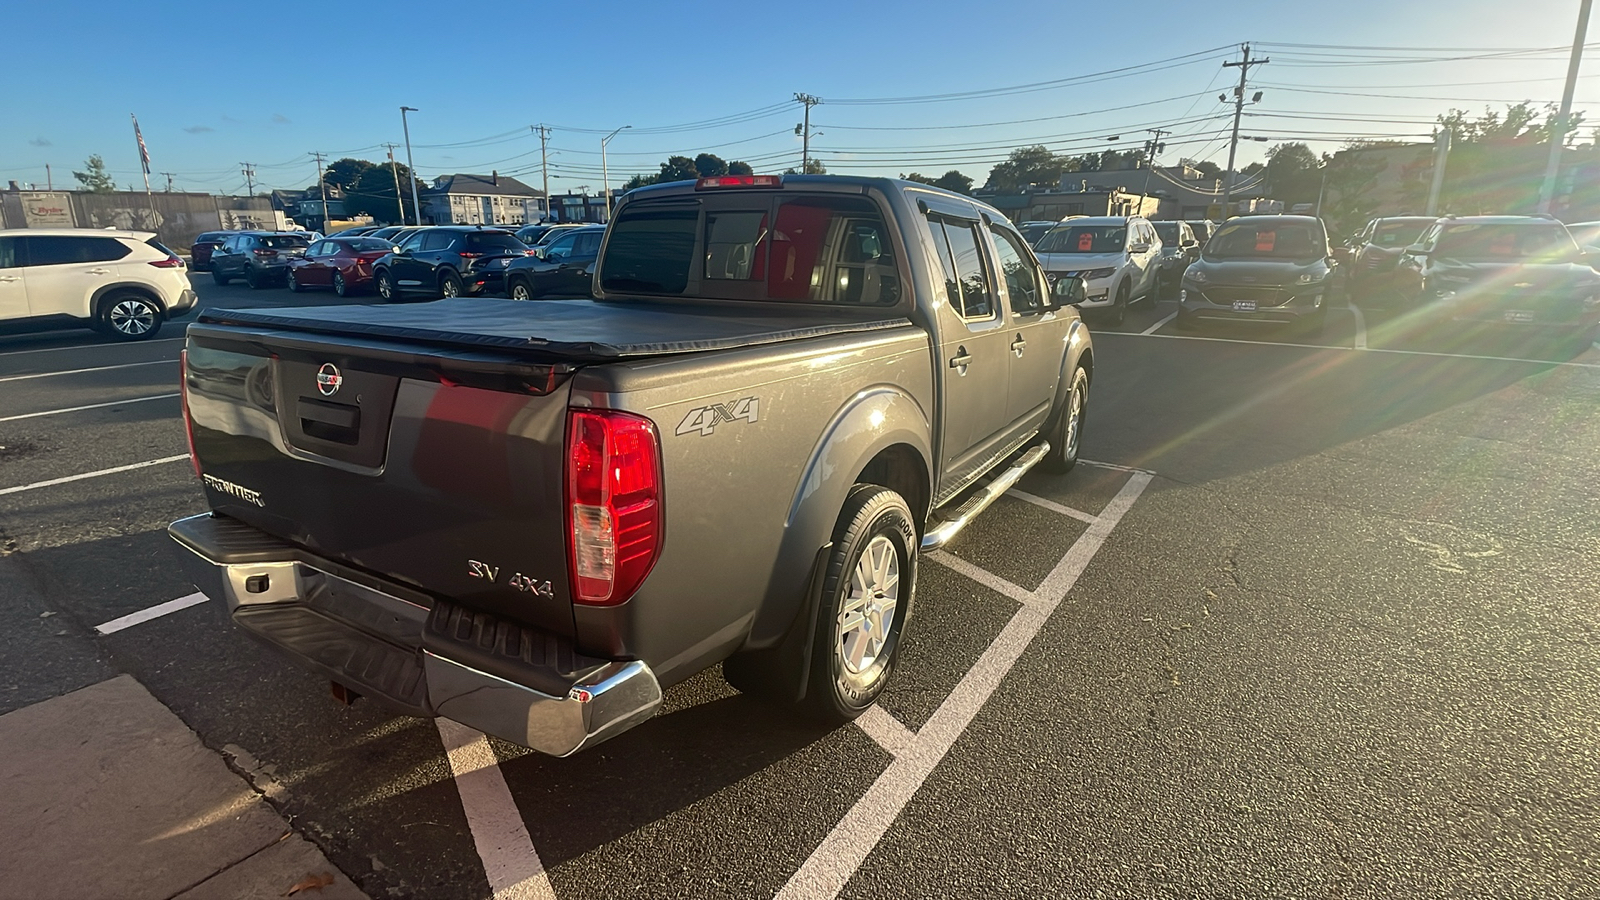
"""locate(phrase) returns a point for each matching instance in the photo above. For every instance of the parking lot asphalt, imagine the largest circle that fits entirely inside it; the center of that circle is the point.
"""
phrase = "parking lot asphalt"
(1324, 627)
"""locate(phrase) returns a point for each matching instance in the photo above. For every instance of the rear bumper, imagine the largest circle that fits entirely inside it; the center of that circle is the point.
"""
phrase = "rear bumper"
(519, 684)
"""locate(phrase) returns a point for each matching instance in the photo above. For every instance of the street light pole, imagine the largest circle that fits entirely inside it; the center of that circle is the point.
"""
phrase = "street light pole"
(1563, 122)
(605, 174)
(416, 204)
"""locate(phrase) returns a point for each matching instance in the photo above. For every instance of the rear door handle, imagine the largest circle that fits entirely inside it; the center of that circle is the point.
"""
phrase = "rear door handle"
(961, 360)
(1018, 345)
(9, 278)
(99, 272)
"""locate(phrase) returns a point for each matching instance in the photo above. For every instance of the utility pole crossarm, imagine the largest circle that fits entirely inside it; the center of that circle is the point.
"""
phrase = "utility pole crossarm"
(1243, 65)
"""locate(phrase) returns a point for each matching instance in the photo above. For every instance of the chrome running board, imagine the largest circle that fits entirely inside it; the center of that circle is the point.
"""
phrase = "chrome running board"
(943, 531)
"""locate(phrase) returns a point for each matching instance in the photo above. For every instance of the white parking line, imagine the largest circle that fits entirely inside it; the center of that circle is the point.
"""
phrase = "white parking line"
(1361, 325)
(55, 481)
(831, 866)
(511, 863)
(1157, 326)
(93, 346)
(1217, 340)
(157, 362)
(982, 576)
(154, 612)
(1053, 506)
(73, 409)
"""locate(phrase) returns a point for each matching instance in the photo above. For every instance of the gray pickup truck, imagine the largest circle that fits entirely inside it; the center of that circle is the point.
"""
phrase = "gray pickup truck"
(529, 517)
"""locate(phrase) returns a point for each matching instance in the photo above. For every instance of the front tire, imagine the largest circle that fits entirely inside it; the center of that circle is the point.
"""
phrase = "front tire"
(1119, 307)
(385, 285)
(1066, 435)
(870, 582)
(129, 317)
(520, 290)
(293, 283)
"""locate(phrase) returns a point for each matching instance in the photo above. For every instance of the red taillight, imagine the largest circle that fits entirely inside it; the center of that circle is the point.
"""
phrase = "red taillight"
(171, 262)
(188, 423)
(613, 504)
(730, 181)
(466, 255)
(260, 251)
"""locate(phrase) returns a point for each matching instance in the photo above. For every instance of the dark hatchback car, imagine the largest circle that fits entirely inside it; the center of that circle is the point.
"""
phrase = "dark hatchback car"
(1273, 269)
(259, 257)
(1522, 271)
(200, 251)
(564, 267)
(1374, 253)
(448, 261)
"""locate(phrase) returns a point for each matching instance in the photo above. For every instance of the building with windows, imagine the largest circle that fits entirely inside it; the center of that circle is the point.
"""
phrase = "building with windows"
(492, 199)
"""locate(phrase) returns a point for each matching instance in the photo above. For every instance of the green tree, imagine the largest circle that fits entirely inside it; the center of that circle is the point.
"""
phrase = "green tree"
(1293, 174)
(709, 164)
(373, 194)
(1350, 200)
(95, 178)
(346, 173)
(737, 167)
(1026, 166)
(638, 181)
(813, 166)
(1208, 169)
(677, 168)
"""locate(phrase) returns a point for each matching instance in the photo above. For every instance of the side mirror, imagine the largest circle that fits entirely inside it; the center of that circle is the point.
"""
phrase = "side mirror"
(1416, 250)
(1070, 291)
(1140, 247)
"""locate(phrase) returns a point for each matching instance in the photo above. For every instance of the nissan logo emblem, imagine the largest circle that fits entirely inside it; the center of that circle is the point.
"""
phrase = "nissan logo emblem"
(329, 380)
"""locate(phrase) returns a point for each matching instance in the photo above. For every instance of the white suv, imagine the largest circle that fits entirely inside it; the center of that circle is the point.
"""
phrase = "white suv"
(120, 283)
(1116, 255)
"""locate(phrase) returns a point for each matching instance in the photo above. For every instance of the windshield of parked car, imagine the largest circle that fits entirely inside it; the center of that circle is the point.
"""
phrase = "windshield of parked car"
(284, 241)
(491, 241)
(1084, 239)
(1168, 232)
(1586, 233)
(797, 249)
(368, 245)
(1489, 242)
(1399, 233)
(1032, 233)
(1267, 239)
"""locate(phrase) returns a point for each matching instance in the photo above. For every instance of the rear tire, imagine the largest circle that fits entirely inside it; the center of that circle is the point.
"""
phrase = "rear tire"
(340, 286)
(869, 586)
(450, 285)
(1066, 434)
(129, 317)
(253, 280)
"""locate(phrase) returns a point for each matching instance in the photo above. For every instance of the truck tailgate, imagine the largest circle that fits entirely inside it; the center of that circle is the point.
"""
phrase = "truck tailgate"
(437, 469)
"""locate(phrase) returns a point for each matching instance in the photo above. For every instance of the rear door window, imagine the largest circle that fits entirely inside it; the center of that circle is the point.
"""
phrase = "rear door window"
(436, 240)
(1021, 276)
(494, 242)
(587, 246)
(53, 250)
(966, 280)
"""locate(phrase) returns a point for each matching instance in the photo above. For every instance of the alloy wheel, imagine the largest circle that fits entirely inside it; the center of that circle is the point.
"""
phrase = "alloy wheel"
(867, 614)
(132, 317)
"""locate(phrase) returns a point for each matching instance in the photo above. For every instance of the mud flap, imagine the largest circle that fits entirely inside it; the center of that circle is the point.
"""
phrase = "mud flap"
(782, 671)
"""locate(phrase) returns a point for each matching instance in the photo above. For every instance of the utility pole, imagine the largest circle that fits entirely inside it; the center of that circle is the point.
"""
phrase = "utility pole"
(804, 130)
(415, 202)
(605, 174)
(543, 131)
(1238, 113)
(169, 180)
(249, 178)
(1441, 156)
(1563, 122)
(1152, 148)
(399, 198)
(322, 189)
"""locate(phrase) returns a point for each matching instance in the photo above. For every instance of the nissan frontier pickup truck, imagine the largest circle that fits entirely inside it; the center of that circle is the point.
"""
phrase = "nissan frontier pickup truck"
(532, 516)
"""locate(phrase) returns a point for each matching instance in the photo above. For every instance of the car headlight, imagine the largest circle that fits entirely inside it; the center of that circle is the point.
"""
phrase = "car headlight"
(1312, 277)
(1198, 276)
(1097, 274)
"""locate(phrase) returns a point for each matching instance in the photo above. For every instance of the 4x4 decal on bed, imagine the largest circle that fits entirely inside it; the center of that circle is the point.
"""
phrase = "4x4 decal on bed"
(705, 419)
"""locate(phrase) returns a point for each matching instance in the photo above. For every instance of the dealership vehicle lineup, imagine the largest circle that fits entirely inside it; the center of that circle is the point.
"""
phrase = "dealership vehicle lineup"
(1124, 525)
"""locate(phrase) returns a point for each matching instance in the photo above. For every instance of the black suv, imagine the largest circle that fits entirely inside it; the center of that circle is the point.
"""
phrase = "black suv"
(1512, 270)
(1375, 252)
(259, 257)
(564, 267)
(448, 261)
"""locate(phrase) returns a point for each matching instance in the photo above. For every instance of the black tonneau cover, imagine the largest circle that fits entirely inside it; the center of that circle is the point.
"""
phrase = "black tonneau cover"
(562, 329)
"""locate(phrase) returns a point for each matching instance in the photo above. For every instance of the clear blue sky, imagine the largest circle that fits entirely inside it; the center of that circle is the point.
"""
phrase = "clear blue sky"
(213, 88)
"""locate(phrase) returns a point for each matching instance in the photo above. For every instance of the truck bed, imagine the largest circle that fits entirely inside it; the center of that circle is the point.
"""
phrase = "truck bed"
(564, 330)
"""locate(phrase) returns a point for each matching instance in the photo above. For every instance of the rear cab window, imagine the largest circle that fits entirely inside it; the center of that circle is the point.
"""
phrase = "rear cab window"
(283, 241)
(493, 242)
(758, 246)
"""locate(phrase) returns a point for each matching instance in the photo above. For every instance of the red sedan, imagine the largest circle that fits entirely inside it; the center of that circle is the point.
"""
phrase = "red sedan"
(344, 264)
(200, 250)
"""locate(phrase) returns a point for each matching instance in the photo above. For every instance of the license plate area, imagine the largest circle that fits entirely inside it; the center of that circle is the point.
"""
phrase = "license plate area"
(1519, 317)
(1244, 306)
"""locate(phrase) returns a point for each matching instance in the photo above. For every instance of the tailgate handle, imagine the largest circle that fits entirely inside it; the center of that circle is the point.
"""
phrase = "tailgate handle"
(335, 414)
